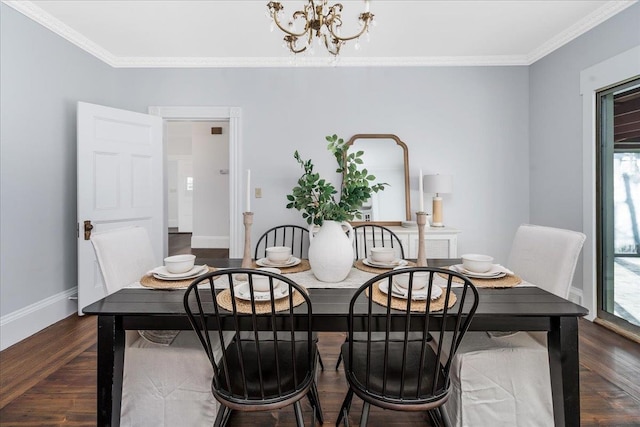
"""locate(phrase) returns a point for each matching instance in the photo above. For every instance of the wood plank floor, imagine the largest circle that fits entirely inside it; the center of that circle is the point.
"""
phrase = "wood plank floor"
(49, 379)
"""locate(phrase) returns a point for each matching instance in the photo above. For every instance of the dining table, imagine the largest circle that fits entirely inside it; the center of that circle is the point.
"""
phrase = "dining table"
(519, 308)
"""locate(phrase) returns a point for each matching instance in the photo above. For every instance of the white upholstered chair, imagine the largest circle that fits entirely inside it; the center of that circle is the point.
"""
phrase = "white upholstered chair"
(503, 380)
(163, 382)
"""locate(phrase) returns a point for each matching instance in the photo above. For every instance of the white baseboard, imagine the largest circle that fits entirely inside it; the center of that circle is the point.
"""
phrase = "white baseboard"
(210, 242)
(20, 324)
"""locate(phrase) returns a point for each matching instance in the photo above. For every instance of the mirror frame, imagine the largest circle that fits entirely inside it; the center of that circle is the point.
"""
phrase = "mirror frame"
(405, 151)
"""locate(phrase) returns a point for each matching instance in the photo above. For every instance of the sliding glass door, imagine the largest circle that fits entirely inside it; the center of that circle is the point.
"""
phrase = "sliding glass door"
(618, 212)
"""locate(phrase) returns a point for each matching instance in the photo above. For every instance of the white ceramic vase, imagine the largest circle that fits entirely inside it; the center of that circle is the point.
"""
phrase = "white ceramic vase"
(331, 251)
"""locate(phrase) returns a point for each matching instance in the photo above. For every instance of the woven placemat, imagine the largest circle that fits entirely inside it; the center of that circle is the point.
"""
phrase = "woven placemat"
(152, 282)
(508, 281)
(420, 306)
(242, 306)
(360, 265)
(303, 266)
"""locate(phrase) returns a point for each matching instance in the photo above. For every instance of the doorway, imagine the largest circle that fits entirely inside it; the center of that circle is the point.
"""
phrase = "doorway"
(233, 116)
(197, 155)
(618, 112)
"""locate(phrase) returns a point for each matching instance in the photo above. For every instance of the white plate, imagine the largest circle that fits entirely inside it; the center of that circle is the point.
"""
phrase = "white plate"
(495, 273)
(392, 264)
(242, 292)
(419, 295)
(162, 273)
(264, 262)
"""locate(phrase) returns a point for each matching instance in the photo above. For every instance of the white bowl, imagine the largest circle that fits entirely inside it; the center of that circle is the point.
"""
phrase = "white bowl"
(382, 254)
(477, 263)
(278, 254)
(419, 279)
(179, 263)
(261, 283)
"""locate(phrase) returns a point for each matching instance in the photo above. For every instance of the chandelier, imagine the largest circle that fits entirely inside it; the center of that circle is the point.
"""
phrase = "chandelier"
(320, 20)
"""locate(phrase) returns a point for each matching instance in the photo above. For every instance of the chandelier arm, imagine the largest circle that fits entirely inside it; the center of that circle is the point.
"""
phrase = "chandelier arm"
(294, 50)
(275, 20)
(346, 39)
(336, 46)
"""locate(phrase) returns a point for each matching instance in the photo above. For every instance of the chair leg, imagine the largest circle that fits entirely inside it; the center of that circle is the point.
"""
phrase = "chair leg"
(339, 360)
(364, 419)
(438, 417)
(222, 417)
(320, 362)
(314, 399)
(446, 421)
(344, 410)
(298, 410)
(227, 416)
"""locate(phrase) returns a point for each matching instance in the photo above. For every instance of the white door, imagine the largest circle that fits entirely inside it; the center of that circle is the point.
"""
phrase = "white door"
(120, 184)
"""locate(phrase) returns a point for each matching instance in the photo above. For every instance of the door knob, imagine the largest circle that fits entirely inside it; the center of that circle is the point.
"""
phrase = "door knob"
(87, 230)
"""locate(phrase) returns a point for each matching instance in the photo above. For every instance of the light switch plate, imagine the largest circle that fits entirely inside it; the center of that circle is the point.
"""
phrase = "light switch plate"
(258, 192)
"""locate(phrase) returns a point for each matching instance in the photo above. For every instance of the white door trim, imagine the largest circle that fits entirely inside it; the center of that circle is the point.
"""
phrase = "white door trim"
(593, 79)
(233, 115)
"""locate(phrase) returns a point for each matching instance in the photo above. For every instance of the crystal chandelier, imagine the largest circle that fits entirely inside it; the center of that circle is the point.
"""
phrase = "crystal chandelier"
(320, 20)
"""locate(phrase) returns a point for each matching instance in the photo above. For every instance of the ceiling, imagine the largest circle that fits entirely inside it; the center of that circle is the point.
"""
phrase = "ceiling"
(219, 33)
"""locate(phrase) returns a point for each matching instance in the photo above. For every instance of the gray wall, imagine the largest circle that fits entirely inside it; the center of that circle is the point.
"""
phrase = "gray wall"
(555, 128)
(471, 122)
(42, 76)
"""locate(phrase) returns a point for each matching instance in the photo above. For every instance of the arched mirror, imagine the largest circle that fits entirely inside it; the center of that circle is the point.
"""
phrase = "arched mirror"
(387, 158)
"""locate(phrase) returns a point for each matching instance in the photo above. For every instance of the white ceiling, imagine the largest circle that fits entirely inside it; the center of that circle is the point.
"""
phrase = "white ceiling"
(219, 33)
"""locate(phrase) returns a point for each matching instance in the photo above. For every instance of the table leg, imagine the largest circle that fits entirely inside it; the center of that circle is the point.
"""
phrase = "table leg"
(565, 370)
(111, 338)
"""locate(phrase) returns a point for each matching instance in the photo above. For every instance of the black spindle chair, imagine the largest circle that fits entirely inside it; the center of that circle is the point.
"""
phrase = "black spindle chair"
(407, 370)
(367, 236)
(270, 362)
(293, 236)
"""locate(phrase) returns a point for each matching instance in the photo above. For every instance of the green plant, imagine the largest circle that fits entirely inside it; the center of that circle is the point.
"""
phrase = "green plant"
(315, 197)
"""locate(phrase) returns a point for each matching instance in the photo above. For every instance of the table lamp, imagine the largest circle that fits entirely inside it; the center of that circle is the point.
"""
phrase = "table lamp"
(437, 184)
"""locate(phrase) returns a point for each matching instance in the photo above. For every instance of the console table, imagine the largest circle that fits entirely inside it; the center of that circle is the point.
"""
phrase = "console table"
(441, 242)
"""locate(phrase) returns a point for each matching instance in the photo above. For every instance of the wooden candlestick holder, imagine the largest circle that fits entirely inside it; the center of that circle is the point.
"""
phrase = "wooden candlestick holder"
(246, 257)
(421, 219)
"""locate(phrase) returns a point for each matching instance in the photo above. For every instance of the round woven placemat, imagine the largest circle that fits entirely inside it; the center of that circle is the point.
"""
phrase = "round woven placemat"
(152, 282)
(508, 281)
(360, 265)
(401, 304)
(242, 306)
(303, 266)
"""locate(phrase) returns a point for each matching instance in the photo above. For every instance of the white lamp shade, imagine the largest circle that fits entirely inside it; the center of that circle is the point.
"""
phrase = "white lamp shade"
(438, 183)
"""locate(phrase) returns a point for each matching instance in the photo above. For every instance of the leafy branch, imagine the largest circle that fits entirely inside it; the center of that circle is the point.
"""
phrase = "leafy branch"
(315, 197)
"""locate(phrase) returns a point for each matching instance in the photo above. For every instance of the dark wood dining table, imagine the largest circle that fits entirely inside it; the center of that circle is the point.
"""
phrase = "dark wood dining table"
(526, 308)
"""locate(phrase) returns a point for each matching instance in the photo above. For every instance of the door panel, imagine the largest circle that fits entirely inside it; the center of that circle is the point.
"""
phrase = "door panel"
(120, 184)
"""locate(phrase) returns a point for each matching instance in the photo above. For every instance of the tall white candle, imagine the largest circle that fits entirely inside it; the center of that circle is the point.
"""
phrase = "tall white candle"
(248, 204)
(421, 191)
(366, 5)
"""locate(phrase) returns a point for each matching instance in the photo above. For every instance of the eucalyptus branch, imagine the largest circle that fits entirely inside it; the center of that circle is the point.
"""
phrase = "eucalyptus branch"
(315, 197)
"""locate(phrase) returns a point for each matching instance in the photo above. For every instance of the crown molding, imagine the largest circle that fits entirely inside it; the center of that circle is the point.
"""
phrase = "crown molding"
(40, 16)
(48, 21)
(306, 62)
(592, 20)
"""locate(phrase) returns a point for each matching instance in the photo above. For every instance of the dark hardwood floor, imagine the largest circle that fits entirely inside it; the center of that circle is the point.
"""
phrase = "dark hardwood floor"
(180, 243)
